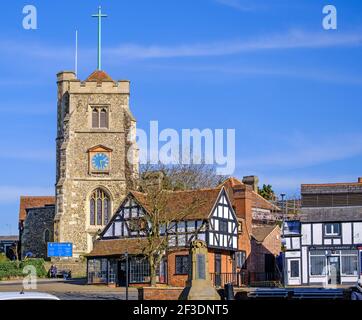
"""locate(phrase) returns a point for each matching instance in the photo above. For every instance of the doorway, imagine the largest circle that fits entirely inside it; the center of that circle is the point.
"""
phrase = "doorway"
(334, 274)
(122, 273)
(294, 272)
(217, 270)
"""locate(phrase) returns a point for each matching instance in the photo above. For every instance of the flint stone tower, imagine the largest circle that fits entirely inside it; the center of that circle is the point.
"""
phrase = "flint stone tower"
(93, 146)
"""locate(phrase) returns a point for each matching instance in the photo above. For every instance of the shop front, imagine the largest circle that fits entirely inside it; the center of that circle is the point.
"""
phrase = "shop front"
(333, 265)
(113, 271)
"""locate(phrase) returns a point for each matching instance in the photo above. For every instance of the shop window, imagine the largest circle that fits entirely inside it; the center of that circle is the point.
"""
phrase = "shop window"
(317, 263)
(349, 263)
(139, 270)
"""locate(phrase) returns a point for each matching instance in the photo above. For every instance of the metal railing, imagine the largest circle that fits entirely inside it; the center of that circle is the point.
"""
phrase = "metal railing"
(244, 278)
(237, 279)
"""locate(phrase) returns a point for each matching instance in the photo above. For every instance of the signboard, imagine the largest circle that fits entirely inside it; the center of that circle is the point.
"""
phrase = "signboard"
(332, 247)
(57, 249)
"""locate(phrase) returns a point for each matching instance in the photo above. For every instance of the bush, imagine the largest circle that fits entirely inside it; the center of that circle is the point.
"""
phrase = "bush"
(38, 264)
(3, 257)
(11, 269)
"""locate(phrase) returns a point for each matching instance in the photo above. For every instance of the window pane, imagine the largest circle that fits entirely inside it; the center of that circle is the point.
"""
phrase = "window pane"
(336, 228)
(95, 119)
(294, 269)
(182, 264)
(349, 265)
(190, 226)
(99, 211)
(181, 240)
(317, 265)
(106, 211)
(181, 226)
(92, 213)
(139, 270)
(103, 119)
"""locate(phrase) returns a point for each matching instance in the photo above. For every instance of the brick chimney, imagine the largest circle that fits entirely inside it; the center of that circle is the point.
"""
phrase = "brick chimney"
(252, 181)
(359, 179)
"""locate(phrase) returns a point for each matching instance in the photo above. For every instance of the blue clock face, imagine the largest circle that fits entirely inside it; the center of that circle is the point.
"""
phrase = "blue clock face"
(100, 161)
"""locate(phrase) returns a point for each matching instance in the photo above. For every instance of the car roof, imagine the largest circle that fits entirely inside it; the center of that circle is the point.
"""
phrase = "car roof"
(27, 296)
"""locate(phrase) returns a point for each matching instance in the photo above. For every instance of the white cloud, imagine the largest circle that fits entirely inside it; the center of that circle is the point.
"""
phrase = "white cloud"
(10, 194)
(291, 40)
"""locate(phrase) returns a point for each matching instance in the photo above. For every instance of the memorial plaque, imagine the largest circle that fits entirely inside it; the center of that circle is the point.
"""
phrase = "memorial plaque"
(201, 272)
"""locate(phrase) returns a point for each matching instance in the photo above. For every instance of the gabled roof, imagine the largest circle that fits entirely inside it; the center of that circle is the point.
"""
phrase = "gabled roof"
(258, 201)
(100, 76)
(99, 148)
(262, 203)
(259, 233)
(178, 203)
(232, 182)
(27, 202)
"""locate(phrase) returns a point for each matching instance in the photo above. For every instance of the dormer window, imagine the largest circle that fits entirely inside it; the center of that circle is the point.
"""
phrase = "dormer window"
(100, 117)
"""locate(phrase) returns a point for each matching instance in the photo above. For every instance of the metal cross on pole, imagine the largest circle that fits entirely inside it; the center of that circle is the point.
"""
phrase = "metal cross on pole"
(99, 15)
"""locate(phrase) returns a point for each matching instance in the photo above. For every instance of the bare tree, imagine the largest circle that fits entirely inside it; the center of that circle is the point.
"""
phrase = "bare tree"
(161, 192)
(184, 176)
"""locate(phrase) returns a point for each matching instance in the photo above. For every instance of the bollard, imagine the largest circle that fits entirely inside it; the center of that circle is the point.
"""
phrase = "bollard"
(229, 291)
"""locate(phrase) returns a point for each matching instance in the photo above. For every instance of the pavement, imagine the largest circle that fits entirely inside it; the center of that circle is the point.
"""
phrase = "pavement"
(76, 289)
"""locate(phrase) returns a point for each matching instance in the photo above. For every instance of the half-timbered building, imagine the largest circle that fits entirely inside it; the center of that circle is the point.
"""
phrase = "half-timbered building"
(213, 221)
(324, 246)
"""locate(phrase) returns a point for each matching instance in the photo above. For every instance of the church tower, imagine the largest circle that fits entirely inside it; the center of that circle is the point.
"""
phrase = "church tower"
(93, 149)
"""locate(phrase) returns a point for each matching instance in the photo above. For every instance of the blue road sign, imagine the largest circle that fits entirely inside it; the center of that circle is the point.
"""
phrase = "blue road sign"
(57, 249)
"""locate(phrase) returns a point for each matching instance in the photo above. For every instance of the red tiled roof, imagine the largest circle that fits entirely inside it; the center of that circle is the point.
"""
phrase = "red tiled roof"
(99, 76)
(117, 247)
(259, 233)
(33, 202)
(186, 205)
(258, 200)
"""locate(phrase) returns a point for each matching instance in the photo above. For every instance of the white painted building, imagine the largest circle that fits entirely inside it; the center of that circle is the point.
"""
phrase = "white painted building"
(324, 246)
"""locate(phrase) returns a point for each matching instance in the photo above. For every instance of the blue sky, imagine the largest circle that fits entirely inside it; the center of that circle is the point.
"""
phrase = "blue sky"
(291, 89)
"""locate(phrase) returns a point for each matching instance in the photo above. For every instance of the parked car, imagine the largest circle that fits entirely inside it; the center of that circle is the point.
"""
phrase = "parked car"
(26, 296)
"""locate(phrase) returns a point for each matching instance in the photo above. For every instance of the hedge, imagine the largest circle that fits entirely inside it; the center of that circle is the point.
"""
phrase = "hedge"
(12, 269)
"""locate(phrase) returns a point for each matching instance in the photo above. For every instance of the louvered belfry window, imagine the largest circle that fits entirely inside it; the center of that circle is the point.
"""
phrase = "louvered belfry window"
(99, 208)
(103, 118)
(99, 118)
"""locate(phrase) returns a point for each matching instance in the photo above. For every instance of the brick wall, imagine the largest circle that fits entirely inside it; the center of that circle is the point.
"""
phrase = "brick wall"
(174, 279)
(159, 293)
(270, 245)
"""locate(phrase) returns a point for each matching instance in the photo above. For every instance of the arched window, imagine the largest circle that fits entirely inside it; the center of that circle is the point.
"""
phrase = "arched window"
(103, 119)
(99, 118)
(95, 118)
(99, 208)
